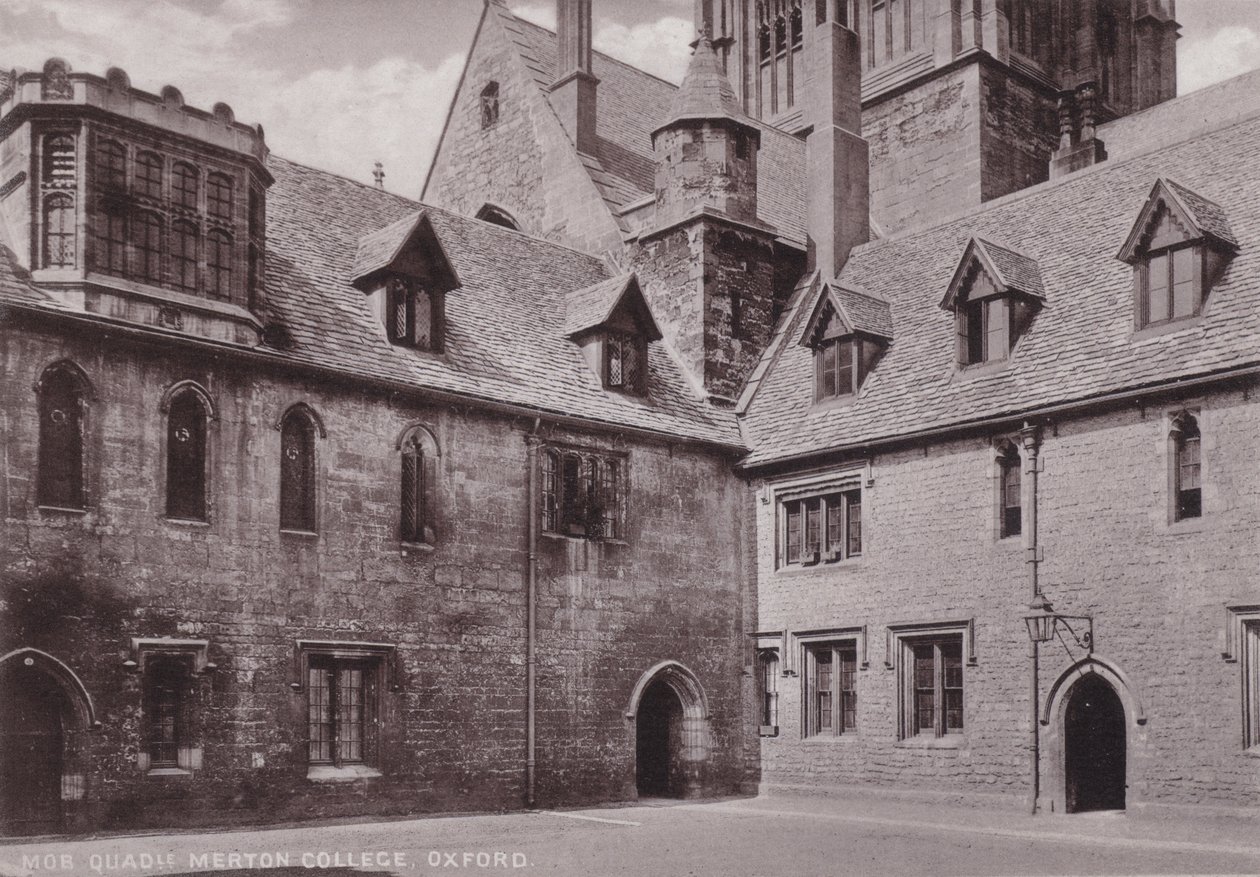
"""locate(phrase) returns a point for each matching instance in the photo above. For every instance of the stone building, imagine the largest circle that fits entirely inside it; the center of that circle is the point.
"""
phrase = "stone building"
(679, 440)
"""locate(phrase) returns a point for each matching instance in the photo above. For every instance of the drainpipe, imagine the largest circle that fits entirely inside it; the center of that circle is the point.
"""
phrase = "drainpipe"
(1030, 437)
(531, 624)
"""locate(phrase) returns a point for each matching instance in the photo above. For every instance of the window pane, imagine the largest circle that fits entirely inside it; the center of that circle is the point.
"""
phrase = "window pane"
(1185, 301)
(184, 185)
(186, 459)
(844, 366)
(769, 689)
(350, 714)
(147, 243)
(111, 242)
(60, 442)
(219, 264)
(59, 232)
(550, 484)
(319, 714)
(813, 526)
(111, 165)
(573, 509)
(853, 500)
(835, 525)
(163, 696)
(924, 688)
(1157, 289)
(848, 688)
(219, 197)
(1189, 493)
(975, 332)
(1012, 519)
(422, 319)
(412, 511)
(149, 175)
(793, 532)
(952, 675)
(184, 256)
(822, 690)
(616, 376)
(997, 328)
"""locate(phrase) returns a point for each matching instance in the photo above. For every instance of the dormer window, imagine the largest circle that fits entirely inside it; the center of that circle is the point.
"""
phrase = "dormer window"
(1178, 248)
(405, 271)
(613, 325)
(994, 295)
(410, 314)
(847, 333)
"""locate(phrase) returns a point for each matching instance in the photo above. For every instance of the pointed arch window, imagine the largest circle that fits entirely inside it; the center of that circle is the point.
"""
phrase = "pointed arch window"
(490, 105)
(184, 239)
(186, 457)
(146, 241)
(60, 469)
(419, 482)
(185, 186)
(1187, 467)
(1010, 502)
(59, 231)
(149, 175)
(297, 472)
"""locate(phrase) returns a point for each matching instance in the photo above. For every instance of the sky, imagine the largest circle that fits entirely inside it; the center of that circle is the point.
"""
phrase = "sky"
(341, 84)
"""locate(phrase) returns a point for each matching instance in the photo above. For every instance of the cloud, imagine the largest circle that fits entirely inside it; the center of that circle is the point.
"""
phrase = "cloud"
(1226, 52)
(541, 14)
(662, 47)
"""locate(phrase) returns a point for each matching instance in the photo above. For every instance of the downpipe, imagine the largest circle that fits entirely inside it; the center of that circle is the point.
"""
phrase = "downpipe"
(531, 623)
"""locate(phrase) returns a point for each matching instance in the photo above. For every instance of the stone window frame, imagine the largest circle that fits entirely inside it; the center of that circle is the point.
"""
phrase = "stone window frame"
(418, 486)
(620, 348)
(1184, 510)
(852, 479)
(1242, 647)
(314, 429)
(1008, 456)
(767, 646)
(194, 655)
(211, 420)
(900, 637)
(382, 659)
(808, 643)
(84, 394)
(564, 514)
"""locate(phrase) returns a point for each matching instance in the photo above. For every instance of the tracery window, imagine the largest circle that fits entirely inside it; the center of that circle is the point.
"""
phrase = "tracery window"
(59, 231)
(583, 494)
(186, 457)
(297, 472)
(1187, 467)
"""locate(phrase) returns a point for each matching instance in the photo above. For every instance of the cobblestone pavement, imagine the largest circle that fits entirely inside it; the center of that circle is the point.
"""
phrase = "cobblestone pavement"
(763, 836)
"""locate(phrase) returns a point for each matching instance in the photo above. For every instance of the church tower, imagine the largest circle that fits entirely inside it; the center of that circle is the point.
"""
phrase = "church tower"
(707, 260)
(951, 77)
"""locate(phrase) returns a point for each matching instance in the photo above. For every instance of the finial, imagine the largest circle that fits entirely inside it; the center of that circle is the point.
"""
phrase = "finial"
(378, 174)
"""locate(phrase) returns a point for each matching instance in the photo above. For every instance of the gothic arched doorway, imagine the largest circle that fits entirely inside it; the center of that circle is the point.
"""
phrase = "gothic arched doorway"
(658, 743)
(1094, 747)
(32, 743)
(670, 724)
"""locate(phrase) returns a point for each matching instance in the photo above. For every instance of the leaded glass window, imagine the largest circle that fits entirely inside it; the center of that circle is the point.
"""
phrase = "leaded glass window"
(59, 231)
(832, 687)
(342, 711)
(1009, 493)
(185, 185)
(219, 197)
(149, 175)
(936, 677)
(816, 528)
(166, 684)
(184, 256)
(219, 264)
(1187, 445)
(147, 244)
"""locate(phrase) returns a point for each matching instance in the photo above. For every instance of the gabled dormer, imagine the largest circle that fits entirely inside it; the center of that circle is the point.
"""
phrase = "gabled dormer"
(406, 274)
(1179, 247)
(994, 295)
(848, 331)
(613, 325)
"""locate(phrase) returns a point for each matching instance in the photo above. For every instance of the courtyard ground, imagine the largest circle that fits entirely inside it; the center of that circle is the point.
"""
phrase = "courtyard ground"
(763, 836)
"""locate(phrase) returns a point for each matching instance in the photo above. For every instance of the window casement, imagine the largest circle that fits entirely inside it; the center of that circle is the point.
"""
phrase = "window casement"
(1186, 467)
(984, 331)
(184, 256)
(768, 692)
(62, 403)
(931, 672)
(343, 684)
(185, 186)
(847, 332)
(111, 167)
(219, 197)
(838, 368)
(219, 264)
(111, 236)
(625, 362)
(146, 241)
(168, 690)
(490, 105)
(820, 527)
(1242, 645)
(148, 180)
(59, 231)
(1179, 247)
(582, 494)
(418, 495)
(186, 456)
(411, 317)
(831, 688)
(1010, 496)
(297, 471)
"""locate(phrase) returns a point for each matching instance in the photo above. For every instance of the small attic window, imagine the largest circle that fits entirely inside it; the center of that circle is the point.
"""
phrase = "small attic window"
(1179, 246)
(613, 325)
(411, 317)
(490, 105)
(625, 362)
(994, 296)
(847, 333)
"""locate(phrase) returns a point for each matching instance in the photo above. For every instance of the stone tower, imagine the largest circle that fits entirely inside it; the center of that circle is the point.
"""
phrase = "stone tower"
(707, 259)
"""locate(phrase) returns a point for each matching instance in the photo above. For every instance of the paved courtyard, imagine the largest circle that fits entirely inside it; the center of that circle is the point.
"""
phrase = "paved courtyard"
(764, 836)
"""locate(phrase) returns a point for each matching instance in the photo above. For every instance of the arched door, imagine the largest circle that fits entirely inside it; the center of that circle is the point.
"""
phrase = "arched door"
(32, 743)
(659, 742)
(1094, 747)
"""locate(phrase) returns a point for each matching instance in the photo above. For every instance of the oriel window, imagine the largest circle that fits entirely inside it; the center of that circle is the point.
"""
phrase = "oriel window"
(219, 264)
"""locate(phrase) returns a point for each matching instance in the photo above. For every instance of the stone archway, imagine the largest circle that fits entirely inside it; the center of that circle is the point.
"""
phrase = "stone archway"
(46, 712)
(1095, 733)
(669, 722)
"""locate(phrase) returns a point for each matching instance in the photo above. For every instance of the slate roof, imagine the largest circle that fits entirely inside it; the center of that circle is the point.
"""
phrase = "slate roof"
(1207, 215)
(1080, 345)
(1015, 270)
(630, 105)
(594, 305)
(705, 92)
(378, 249)
(505, 323)
(864, 312)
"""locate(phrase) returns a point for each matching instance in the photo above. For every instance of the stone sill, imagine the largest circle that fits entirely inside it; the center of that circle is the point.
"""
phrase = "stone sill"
(768, 731)
(801, 569)
(328, 773)
(563, 537)
(299, 534)
(186, 522)
(848, 738)
(406, 548)
(949, 741)
(981, 369)
(1185, 526)
(168, 772)
(60, 510)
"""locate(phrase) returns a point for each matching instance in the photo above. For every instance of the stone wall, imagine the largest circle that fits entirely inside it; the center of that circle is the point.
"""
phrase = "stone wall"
(79, 586)
(1156, 592)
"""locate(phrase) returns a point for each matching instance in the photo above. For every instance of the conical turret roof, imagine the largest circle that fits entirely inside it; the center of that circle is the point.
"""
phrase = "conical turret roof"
(705, 92)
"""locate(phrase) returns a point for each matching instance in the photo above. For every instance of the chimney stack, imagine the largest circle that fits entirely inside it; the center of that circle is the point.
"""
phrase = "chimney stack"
(839, 198)
(573, 92)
